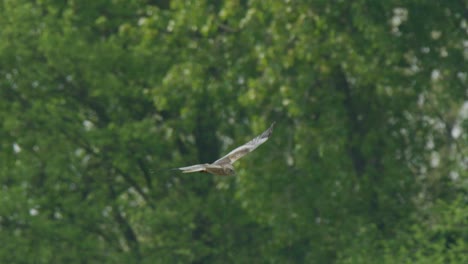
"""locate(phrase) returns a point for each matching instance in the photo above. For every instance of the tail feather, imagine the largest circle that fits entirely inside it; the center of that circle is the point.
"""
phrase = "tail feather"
(193, 168)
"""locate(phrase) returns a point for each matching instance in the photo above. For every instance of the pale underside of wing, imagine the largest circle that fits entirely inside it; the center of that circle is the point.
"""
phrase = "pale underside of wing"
(248, 147)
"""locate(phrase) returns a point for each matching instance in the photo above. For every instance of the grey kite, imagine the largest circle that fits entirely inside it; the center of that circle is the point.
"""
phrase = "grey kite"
(223, 166)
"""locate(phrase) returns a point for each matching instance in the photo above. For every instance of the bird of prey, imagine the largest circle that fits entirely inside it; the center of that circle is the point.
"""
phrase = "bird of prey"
(223, 166)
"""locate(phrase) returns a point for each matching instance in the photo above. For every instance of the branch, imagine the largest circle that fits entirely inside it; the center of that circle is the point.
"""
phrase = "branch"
(125, 227)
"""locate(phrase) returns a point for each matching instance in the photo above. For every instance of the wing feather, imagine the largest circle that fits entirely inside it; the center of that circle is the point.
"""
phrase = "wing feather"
(248, 147)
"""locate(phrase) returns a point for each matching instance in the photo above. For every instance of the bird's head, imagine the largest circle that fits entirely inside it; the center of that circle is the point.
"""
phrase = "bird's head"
(229, 170)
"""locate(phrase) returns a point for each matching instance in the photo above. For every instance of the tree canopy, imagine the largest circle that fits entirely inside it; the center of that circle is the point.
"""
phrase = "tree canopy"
(367, 163)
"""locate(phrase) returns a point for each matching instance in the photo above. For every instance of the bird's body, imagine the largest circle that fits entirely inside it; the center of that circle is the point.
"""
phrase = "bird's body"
(223, 166)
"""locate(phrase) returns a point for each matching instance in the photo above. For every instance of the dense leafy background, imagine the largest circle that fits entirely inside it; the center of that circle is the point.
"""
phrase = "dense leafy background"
(367, 163)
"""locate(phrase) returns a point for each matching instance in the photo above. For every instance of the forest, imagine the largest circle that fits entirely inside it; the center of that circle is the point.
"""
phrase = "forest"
(101, 100)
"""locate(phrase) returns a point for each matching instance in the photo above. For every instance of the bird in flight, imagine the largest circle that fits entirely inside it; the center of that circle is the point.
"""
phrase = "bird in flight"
(223, 166)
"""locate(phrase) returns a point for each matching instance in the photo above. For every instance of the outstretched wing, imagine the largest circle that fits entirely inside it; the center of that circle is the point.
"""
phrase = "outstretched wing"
(248, 147)
(193, 168)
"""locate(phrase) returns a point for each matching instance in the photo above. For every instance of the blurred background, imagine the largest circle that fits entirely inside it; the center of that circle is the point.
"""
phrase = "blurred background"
(367, 164)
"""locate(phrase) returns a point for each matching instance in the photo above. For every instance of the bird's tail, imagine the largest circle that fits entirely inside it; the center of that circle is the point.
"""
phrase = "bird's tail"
(193, 168)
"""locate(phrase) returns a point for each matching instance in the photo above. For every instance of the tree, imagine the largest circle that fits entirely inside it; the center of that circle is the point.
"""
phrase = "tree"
(366, 161)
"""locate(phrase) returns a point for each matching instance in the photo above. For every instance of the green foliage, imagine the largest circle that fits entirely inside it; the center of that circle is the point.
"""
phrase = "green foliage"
(441, 238)
(367, 163)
